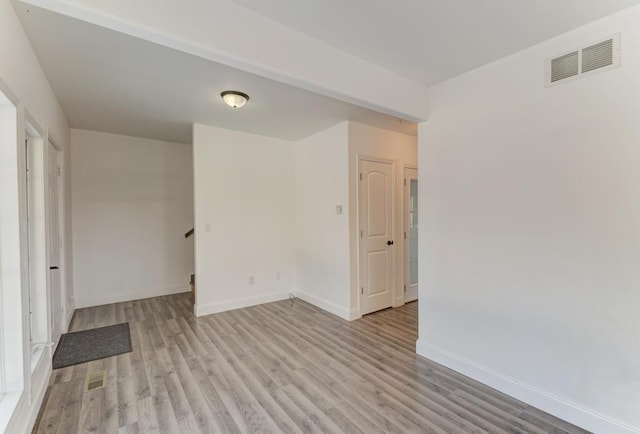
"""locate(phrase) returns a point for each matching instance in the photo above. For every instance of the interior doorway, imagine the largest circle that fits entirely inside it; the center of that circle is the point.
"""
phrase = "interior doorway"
(376, 209)
(410, 236)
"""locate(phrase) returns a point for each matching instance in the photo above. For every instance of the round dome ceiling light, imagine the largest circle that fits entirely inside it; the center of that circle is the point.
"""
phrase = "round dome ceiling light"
(234, 98)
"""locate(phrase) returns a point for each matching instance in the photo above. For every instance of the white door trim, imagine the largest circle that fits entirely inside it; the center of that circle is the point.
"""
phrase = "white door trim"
(67, 295)
(57, 307)
(361, 158)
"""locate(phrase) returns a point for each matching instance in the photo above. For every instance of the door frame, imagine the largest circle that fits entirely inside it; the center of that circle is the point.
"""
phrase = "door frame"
(405, 239)
(394, 289)
(44, 137)
(63, 325)
(35, 240)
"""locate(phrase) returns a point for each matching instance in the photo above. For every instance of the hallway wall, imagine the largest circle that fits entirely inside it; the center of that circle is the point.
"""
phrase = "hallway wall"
(402, 150)
(23, 81)
(132, 204)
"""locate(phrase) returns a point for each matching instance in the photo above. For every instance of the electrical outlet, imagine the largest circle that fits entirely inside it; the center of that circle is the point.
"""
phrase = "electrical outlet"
(207, 227)
(278, 276)
(252, 280)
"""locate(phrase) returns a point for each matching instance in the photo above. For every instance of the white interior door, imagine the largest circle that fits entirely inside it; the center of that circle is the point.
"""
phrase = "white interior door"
(410, 235)
(376, 235)
(53, 204)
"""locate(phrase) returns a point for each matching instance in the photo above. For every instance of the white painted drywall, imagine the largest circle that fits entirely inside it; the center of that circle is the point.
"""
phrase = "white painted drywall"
(530, 230)
(24, 82)
(132, 204)
(21, 73)
(10, 260)
(322, 236)
(243, 186)
(402, 150)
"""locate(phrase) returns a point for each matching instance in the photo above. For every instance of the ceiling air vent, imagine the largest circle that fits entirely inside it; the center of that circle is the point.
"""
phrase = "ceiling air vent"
(599, 56)
(565, 66)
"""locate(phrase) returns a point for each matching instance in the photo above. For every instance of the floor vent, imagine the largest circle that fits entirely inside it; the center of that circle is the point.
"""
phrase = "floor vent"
(599, 56)
(95, 381)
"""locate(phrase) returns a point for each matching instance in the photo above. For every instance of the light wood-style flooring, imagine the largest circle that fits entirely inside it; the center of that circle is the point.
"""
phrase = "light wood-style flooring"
(279, 367)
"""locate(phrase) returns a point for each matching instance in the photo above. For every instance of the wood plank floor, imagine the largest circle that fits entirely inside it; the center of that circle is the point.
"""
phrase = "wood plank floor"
(279, 367)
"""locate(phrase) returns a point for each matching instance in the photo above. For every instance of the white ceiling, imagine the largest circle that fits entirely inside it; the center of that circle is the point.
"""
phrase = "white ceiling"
(4, 101)
(430, 41)
(112, 82)
(109, 81)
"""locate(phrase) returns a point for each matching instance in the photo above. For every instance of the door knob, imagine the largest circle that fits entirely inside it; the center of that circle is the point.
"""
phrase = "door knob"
(390, 243)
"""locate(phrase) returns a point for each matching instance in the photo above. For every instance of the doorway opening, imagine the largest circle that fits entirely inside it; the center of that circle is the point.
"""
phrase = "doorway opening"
(387, 234)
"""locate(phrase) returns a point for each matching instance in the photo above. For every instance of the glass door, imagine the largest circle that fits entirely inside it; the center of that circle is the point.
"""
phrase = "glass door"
(410, 234)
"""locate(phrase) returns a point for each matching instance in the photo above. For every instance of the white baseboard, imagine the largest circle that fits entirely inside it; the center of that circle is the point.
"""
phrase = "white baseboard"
(330, 307)
(26, 411)
(71, 308)
(119, 297)
(571, 412)
(354, 314)
(238, 303)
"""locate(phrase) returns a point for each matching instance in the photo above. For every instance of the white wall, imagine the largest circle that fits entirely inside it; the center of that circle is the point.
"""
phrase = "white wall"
(24, 82)
(132, 204)
(11, 276)
(530, 230)
(322, 236)
(244, 191)
(22, 77)
(402, 150)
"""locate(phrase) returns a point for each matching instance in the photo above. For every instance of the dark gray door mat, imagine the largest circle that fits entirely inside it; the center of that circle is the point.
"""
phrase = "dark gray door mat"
(93, 344)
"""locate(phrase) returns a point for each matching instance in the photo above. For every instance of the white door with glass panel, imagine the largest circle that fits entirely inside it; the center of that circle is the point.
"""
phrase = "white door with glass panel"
(410, 236)
(376, 235)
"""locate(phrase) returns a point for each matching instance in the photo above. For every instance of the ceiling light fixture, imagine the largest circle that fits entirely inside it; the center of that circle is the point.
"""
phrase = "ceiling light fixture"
(234, 98)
